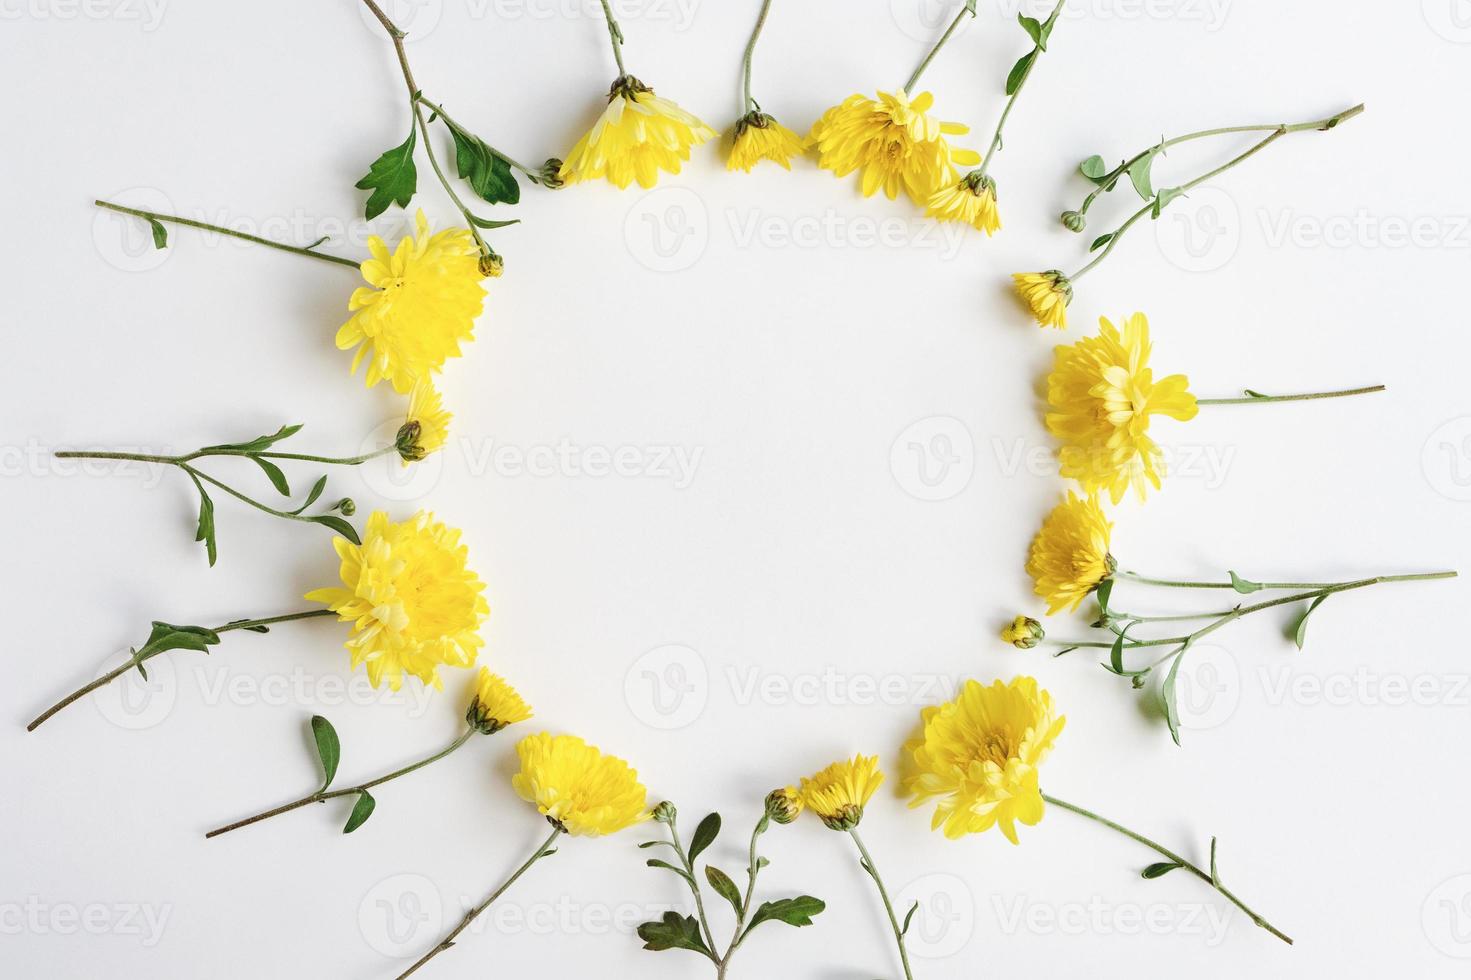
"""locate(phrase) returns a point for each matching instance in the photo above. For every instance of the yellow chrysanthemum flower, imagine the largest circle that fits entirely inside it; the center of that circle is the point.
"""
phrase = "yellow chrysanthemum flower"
(971, 200)
(496, 704)
(838, 793)
(1102, 393)
(1069, 555)
(413, 602)
(893, 142)
(760, 137)
(426, 429)
(637, 135)
(420, 304)
(577, 787)
(1047, 294)
(978, 755)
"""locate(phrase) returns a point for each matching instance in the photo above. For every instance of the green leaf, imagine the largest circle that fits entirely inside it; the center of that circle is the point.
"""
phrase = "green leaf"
(1033, 27)
(486, 223)
(490, 175)
(274, 474)
(705, 835)
(313, 494)
(673, 931)
(1093, 168)
(970, 7)
(909, 917)
(793, 911)
(1160, 870)
(163, 637)
(361, 811)
(1102, 593)
(1163, 200)
(329, 748)
(1019, 71)
(339, 525)
(724, 887)
(656, 863)
(654, 843)
(1245, 586)
(249, 629)
(259, 443)
(206, 532)
(1116, 653)
(392, 178)
(1300, 632)
(1255, 394)
(1215, 875)
(1168, 696)
(1139, 175)
(160, 234)
(1100, 241)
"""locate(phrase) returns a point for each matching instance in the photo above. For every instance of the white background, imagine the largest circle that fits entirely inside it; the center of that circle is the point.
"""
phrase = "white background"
(808, 348)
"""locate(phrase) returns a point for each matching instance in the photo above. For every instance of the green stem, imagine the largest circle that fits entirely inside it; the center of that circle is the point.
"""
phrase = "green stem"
(470, 916)
(923, 65)
(1277, 132)
(256, 239)
(205, 453)
(1011, 101)
(145, 655)
(198, 475)
(1210, 878)
(1310, 396)
(450, 121)
(322, 795)
(753, 868)
(747, 103)
(888, 905)
(615, 35)
(695, 888)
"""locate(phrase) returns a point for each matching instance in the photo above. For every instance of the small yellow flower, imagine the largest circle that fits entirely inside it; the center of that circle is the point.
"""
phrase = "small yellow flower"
(1070, 553)
(1047, 294)
(1102, 393)
(495, 705)
(971, 200)
(1024, 633)
(577, 787)
(760, 137)
(413, 602)
(979, 756)
(838, 793)
(427, 428)
(637, 135)
(420, 305)
(893, 142)
(784, 805)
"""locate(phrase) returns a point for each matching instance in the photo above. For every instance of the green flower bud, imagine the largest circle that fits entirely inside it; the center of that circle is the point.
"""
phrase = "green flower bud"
(1074, 221)
(665, 812)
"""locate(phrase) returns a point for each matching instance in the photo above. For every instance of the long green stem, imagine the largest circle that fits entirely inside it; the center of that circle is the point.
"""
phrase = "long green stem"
(321, 796)
(256, 239)
(753, 868)
(944, 38)
(204, 453)
(1210, 878)
(200, 475)
(615, 35)
(1277, 132)
(1011, 101)
(1254, 399)
(873, 872)
(470, 916)
(694, 887)
(748, 104)
(145, 655)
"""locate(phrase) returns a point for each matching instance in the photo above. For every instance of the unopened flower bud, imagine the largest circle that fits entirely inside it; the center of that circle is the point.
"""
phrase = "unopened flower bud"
(347, 507)
(492, 265)
(1024, 633)
(1074, 221)
(407, 441)
(550, 175)
(783, 805)
(665, 812)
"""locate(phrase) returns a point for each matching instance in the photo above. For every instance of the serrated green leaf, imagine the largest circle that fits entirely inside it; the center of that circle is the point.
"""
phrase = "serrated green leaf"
(329, 748)
(1139, 175)
(163, 637)
(793, 911)
(392, 178)
(1244, 586)
(339, 525)
(1019, 72)
(488, 174)
(673, 931)
(160, 233)
(274, 474)
(206, 529)
(724, 887)
(1300, 632)
(1093, 168)
(908, 918)
(361, 811)
(1160, 870)
(705, 835)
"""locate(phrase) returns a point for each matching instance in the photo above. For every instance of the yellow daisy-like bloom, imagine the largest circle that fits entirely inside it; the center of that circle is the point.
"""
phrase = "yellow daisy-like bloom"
(978, 755)
(1070, 553)
(971, 200)
(1102, 393)
(427, 428)
(495, 705)
(893, 142)
(420, 304)
(760, 137)
(413, 602)
(838, 793)
(1047, 294)
(577, 787)
(637, 135)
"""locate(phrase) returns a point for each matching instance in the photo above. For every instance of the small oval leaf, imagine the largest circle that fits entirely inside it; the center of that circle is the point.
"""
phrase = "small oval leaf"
(361, 811)
(329, 748)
